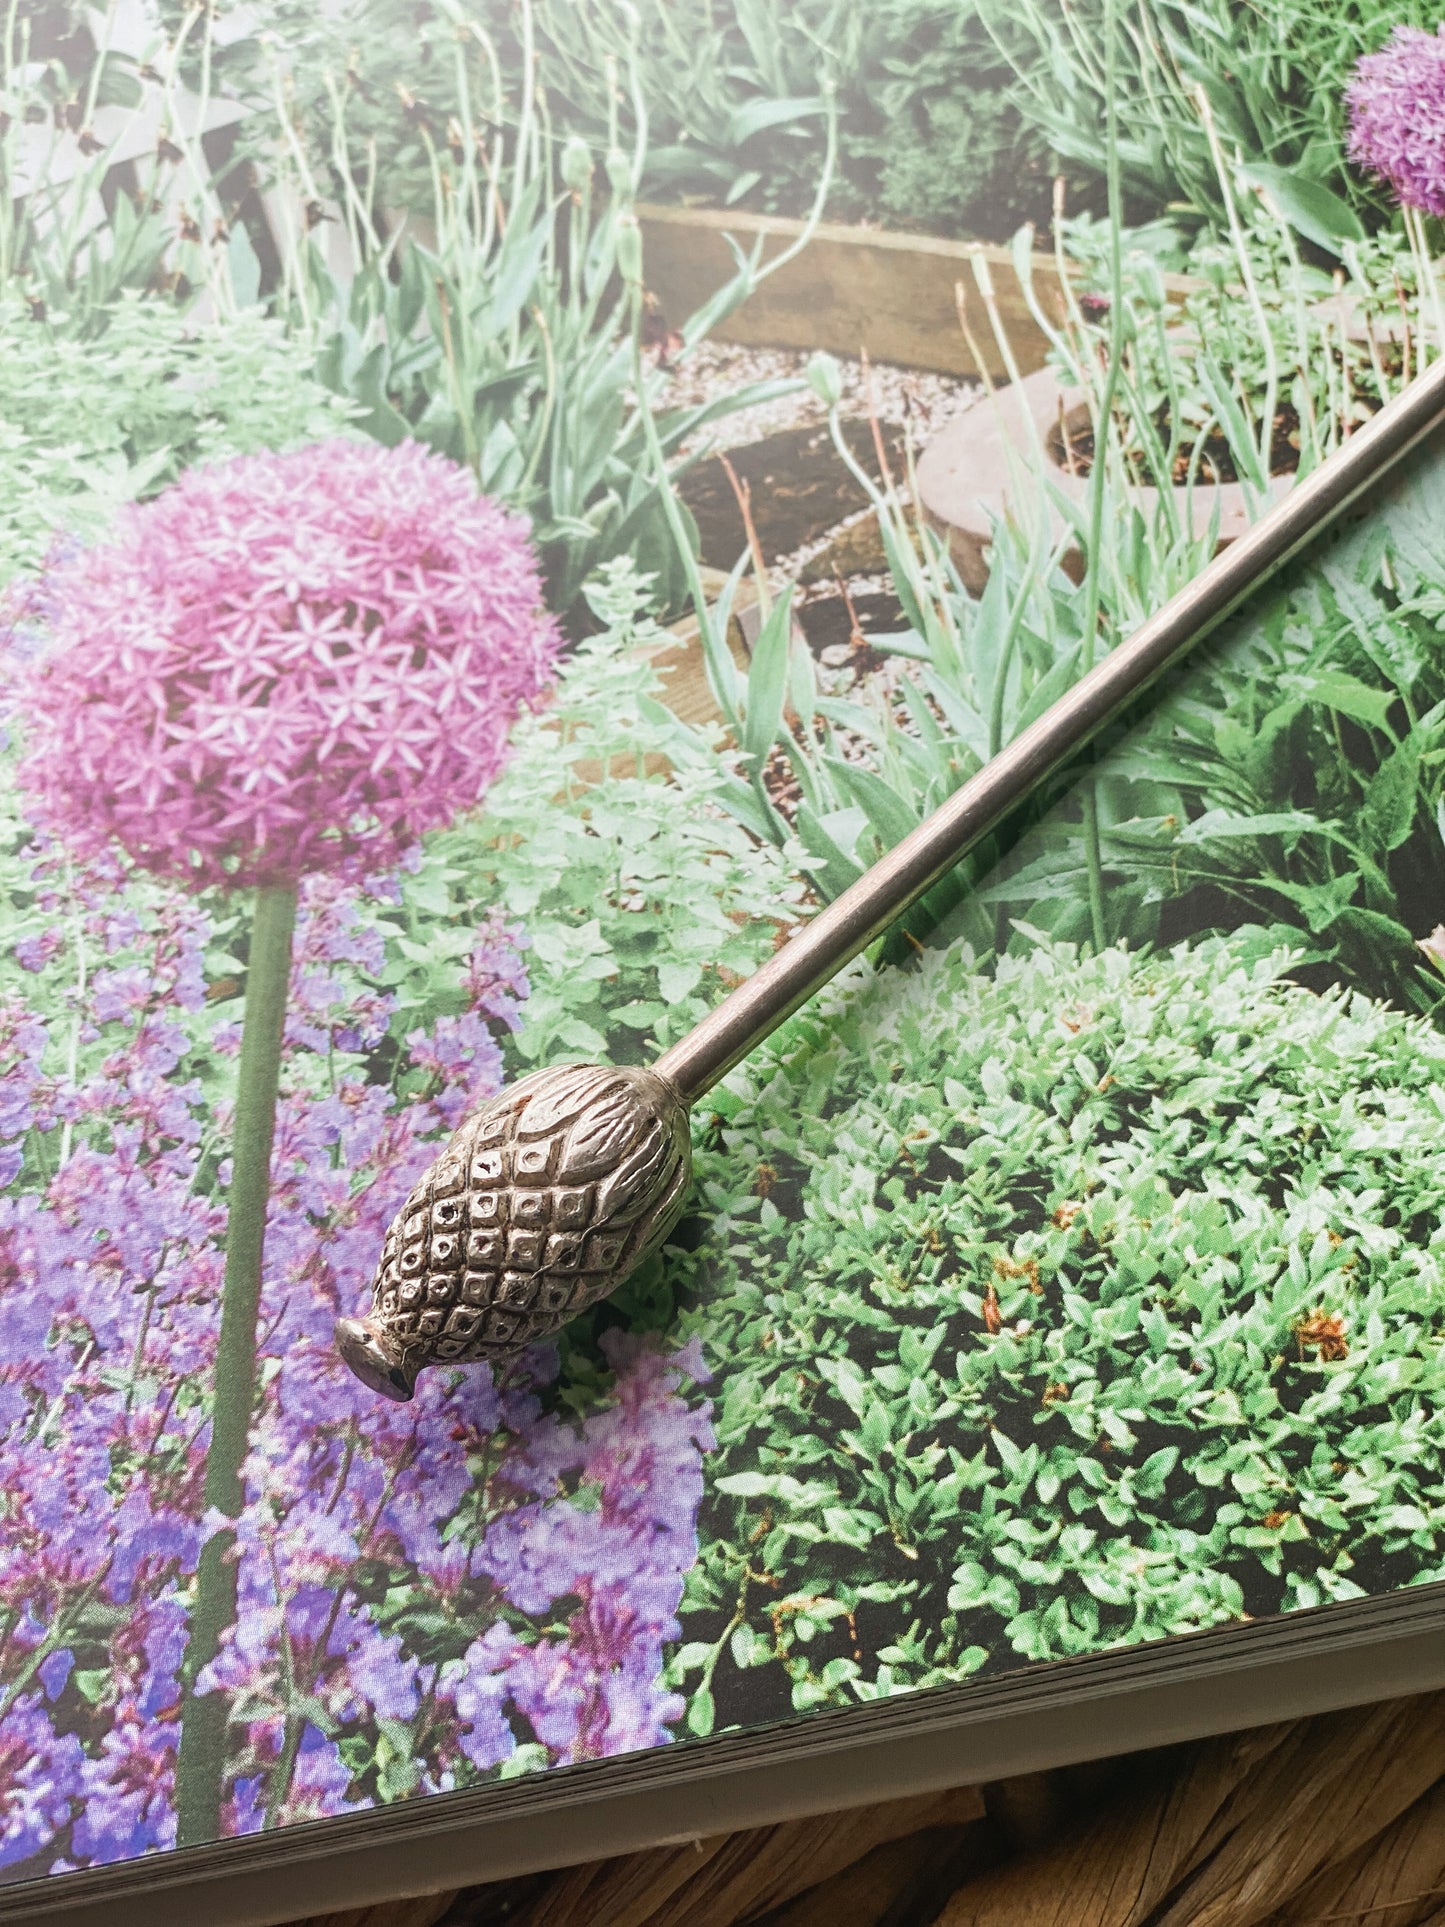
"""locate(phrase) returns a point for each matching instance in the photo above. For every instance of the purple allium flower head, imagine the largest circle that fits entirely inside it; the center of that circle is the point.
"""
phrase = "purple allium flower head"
(1397, 116)
(285, 664)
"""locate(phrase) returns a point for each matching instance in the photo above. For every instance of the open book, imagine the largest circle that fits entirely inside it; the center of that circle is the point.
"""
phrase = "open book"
(1050, 1362)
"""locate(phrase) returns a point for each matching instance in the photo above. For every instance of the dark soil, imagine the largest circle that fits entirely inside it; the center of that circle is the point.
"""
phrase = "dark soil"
(828, 623)
(1072, 448)
(798, 488)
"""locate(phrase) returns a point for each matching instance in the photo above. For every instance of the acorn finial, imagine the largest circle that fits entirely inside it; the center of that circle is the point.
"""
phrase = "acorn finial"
(540, 1204)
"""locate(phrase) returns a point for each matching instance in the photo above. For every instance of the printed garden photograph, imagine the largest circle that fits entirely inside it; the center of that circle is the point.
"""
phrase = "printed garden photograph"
(508, 508)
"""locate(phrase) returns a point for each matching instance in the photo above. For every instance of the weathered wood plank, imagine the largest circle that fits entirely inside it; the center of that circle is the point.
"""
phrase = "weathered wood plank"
(850, 288)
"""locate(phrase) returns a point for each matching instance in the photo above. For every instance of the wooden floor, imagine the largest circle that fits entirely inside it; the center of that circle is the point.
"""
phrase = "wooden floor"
(1339, 1820)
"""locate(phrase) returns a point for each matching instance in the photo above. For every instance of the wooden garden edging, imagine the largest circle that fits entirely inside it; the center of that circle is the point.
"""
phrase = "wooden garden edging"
(849, 288)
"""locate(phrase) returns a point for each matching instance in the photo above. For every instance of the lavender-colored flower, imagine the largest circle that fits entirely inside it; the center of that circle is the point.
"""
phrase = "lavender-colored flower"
(126, 1792)
(542, 1553)
(55, 1671)
(600, 1691)
(39, 1778)
(286, 663)
(1397, 116)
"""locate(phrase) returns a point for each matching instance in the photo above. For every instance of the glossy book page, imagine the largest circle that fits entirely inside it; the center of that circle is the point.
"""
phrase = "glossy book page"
(431, 654)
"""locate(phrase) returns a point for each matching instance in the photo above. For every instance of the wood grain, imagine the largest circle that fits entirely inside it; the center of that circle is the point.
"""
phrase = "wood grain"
(1246, 1824)
(1397, 1879)
(1330, 1788)
(850, 289)
(736, 1877)
(426, 1912)
(1337, 1821)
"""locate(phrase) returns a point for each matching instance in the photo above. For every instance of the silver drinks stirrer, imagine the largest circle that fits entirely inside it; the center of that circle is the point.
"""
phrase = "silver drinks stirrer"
(549, 1195)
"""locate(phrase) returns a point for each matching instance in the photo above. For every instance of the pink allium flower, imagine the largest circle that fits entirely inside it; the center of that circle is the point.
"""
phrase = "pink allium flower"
(1397, 116)
(287, 663)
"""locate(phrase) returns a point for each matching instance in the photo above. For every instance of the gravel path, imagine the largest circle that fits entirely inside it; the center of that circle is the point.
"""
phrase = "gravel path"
(905, 396)
(908, 398)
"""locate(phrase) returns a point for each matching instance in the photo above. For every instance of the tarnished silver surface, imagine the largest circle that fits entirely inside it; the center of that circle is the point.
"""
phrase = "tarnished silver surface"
(551, 1194)
(541, 1203)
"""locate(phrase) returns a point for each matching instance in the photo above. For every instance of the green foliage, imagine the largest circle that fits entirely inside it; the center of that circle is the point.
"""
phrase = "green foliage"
(1291, 772)
(475, 296)
(928, 135)
(604, 837)
(715, 87)
(482, 349)
(395, 66)
(978, 669)
(1092, 1304)
(95, 417)
(1272, 75)
(730, 93)
(1294, 773)
(1264, 366)
(79, 224)
(497, 324)
(953, 114)
(965, 167)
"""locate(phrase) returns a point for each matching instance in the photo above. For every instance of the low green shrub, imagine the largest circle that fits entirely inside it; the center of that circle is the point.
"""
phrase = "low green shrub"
(605, 836)
(95, 415)
(964, 168)
(1091, 1304)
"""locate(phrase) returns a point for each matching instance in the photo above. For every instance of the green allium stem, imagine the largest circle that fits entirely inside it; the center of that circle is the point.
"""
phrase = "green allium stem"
(200, 1770)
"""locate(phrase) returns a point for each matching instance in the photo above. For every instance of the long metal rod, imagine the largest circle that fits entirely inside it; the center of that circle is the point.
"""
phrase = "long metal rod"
(866, 909)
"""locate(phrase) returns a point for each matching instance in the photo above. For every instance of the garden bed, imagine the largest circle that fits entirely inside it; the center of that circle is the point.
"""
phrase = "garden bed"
(813, 521)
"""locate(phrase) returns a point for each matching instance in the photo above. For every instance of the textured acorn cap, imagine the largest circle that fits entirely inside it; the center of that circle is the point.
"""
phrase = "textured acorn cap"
(542, 1203)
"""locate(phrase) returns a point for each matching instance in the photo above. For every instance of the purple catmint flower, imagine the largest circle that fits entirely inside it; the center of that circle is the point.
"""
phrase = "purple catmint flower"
(285, 664)
(542, 1553)
(126, 1792)
(54, 1671)
(28, 607)
(1397, 116)
(479, 1696)
(40, 1772)
(322, 1781)
(34, 953)
(599, 1691)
